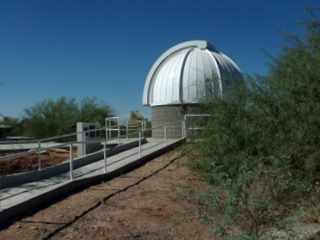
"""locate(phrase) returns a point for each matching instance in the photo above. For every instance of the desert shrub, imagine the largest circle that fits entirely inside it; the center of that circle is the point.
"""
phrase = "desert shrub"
(92, 110)
(262, 144)
(55, 117)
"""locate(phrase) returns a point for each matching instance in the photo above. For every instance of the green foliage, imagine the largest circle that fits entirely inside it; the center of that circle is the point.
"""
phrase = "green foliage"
(14, 126)
(135, 116)
(262, 144)
(54, 117)
(93, 111)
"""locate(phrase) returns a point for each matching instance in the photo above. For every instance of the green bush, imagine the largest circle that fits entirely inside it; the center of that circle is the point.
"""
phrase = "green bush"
(262, 144)
(55, 117)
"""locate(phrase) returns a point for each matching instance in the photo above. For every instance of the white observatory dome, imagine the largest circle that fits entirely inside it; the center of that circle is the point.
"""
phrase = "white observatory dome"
(187, 73)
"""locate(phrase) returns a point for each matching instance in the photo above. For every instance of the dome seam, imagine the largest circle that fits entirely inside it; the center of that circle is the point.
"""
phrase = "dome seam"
(181, 75)
(218, 71)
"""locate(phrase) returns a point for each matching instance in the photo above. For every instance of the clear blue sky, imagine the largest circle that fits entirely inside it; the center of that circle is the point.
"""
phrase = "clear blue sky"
(101, 48)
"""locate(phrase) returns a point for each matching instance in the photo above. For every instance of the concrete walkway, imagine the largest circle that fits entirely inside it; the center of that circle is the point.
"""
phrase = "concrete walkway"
(14, 201)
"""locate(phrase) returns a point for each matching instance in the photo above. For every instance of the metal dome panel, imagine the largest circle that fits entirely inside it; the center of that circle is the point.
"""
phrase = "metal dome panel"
(187, 73)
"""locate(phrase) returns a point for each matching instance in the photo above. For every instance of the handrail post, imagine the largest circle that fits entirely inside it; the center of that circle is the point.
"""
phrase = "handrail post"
(165, 132)
(84, 152)
(119, 133)
(105, 157)
(127, 130)
(185, 124)
(142, 128)
(139, 144)
(183, 129)
(39, 155)
(108, 126)
(106, 135)
(70, 162)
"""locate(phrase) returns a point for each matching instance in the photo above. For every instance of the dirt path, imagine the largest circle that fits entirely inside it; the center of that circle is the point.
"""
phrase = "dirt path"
(147, 203)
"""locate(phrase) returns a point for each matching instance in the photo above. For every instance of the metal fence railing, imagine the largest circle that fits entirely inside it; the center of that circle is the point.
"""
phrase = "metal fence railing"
(112, 133)
(70, 144)
(195, 125)
(47, 147)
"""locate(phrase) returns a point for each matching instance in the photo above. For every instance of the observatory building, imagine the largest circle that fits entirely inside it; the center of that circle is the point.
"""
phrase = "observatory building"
(183, 77)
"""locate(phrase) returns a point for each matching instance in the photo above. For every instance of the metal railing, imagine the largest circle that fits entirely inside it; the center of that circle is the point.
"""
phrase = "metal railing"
(61, 142)
(195, 125)
(140, 151)
(69, 142)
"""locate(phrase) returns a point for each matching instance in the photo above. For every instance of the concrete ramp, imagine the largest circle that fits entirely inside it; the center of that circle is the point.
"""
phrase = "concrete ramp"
(13, 180)
(22, 199)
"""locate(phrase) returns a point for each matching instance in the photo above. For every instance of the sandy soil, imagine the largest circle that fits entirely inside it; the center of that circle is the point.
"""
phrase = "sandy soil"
(147, 203)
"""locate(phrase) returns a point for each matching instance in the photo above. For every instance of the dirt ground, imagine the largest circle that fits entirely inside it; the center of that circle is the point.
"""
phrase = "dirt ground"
(151, 202)
(31, 162)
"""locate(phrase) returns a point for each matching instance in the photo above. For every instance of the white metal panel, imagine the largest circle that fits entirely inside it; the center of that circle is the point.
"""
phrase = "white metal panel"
(165, 82)
(188, 44)
(200, 78)
(187, 73)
